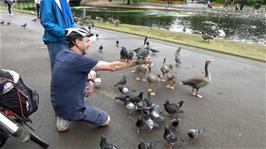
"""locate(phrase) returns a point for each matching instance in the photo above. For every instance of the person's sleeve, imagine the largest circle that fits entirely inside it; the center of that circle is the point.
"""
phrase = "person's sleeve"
(85, 64)
(46, 15)
(72, 20)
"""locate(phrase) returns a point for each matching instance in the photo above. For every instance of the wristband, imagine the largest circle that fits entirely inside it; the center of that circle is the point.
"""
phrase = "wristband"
(90, 80)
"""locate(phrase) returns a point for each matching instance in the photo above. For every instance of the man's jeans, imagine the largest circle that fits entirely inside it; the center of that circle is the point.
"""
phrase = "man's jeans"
(53, 49)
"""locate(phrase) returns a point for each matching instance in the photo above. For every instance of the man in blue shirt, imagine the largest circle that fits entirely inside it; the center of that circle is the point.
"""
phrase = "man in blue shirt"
(73, 73)
(55, 17)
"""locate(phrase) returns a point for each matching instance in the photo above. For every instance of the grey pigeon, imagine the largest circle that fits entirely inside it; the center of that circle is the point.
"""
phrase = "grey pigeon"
(105, 145)
(171, 138)
(101, 49)
(8, 23)
(136, 99)
(126, 54)
(34, 20)
(174, 123)
(123, 81)
(140, 123)
(147, 145)
(141, 53)
(117, 43)
(2, 22)
(194, 132)
(177, 56)
(124, 90)
(172, 108)
(24, 25)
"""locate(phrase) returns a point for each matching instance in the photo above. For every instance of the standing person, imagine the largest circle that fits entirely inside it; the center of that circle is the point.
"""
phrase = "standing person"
(9, 4)
(55, 17)
(38, 4)
(73, 79)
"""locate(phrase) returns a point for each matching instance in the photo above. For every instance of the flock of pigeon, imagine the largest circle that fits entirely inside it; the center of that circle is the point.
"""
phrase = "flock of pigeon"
(24, 26)
(147, 114)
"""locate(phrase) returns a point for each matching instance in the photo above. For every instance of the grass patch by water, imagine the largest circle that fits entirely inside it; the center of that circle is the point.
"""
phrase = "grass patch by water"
(247, 50)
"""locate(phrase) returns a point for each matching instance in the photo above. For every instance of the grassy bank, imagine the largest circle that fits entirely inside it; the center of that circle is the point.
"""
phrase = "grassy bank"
(252, 51)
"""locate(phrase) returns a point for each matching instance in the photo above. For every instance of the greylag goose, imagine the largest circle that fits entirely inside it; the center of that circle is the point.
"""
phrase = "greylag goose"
(199, 81)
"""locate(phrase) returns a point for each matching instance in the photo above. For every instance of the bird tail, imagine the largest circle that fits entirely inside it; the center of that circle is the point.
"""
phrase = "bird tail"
(185, 83)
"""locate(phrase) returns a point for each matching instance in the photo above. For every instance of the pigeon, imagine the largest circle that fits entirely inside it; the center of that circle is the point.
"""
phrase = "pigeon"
(147, 145)
(98, 80)
(101, 49)
(105, 145)
(34, 20)
(136, 99)
(140, 123)
(117, 43)
(97, 36)
(169, 137)
(8, 23)
(177, 56)
(125, 90)
(2, 22)
(145, 40)
(24, 25)
(123, 81)
(173, 108)
(126, 54)
(123, 98)
(141, 53)
(194, 132)
(174, 123)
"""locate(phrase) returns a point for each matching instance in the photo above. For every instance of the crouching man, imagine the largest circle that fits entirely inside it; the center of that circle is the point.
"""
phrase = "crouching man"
(73, 78)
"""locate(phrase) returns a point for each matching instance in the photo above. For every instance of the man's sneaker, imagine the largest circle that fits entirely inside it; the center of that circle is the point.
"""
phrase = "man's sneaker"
(61, 124)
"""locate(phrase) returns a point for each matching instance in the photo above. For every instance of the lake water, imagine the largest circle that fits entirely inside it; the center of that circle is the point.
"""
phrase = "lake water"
(235, 27)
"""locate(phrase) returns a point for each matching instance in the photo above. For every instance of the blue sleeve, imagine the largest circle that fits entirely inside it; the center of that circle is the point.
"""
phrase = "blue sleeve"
(84, 63)
(47, 19)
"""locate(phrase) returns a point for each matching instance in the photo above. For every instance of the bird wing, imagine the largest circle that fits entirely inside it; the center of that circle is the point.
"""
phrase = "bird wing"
(197, 82)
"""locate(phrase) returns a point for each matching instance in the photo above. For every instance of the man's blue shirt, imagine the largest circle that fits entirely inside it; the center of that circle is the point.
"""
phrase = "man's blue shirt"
(69, 79)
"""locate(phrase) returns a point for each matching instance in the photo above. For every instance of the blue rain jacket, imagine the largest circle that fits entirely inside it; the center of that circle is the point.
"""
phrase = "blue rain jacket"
(52, 20)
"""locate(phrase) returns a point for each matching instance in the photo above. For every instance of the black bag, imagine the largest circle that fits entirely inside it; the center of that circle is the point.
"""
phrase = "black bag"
(20, 99)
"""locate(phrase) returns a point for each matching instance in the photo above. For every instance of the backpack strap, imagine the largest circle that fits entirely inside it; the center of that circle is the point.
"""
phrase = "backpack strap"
(18, 91)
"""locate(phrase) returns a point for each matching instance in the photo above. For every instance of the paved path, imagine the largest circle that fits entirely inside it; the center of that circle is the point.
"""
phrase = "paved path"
(232, 111)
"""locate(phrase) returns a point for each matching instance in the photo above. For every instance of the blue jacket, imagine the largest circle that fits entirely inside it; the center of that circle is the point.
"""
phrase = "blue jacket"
(53, 22)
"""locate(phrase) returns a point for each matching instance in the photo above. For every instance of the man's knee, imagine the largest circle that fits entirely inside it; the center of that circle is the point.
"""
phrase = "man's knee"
(107, 122)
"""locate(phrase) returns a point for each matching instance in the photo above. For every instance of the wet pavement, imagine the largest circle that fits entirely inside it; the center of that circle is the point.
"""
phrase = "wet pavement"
(232, 110)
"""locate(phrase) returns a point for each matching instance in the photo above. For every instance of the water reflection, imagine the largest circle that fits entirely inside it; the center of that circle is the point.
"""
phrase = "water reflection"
(235, 27)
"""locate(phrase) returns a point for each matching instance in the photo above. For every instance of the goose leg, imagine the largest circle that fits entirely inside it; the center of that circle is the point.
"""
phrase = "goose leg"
(198, 95)
(194, 92)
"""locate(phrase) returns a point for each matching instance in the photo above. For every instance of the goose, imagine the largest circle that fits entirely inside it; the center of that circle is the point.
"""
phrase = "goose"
(199, 81)
(206, 37)
(165, 68)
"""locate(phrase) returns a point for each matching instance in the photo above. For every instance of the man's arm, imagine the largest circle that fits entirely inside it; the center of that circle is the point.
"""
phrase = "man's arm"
(114, 66)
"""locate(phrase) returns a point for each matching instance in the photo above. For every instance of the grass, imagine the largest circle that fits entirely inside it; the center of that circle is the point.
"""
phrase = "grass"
(247, 50)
